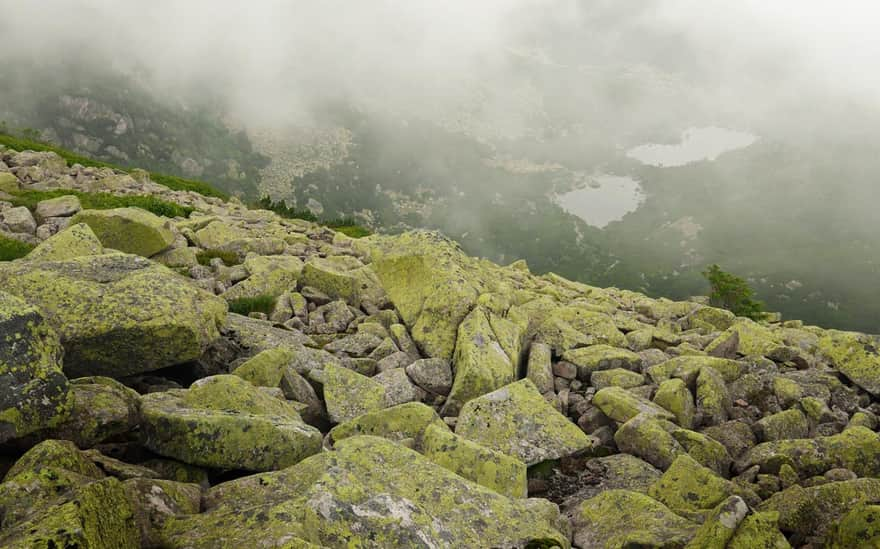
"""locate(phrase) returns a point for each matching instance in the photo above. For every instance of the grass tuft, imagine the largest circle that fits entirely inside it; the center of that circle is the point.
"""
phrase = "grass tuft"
(13, 249)
(246, 305)
(104, 201)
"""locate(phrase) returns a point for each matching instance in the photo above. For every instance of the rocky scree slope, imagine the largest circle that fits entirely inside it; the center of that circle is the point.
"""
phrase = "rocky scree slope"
(393, 392)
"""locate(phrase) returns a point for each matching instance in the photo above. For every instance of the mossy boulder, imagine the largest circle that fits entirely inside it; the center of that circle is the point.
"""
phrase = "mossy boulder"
(674, 396)
(272, 276)
(153, 501)
(118, 314)
(494, 470)
(755, 340)
(224, 422)
(759, 530)
(690, 489)
(431, 283)
(856, 449)
(813, 511)
(101, 409)
(223, 236)
(405, 421)
(567, 327)
(713, 397)
(539, 367)
(622, 405)
(129, 230)
(61, 206)
(855, 355)
(93, 515)
(621, 518)
(688, 368)
(54, 496)
(343, 277)
(786, 424)
(74, 241)
(516, 420)
(9, 183)
(616, 377)
(721, 524)
(33, 390)
(481, 364)
(368, 492)
(660, 442)
(860, 527)
(601, 357)
(349, 394)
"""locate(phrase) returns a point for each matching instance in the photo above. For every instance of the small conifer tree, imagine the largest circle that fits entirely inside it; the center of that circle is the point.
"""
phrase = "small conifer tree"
(733, 293)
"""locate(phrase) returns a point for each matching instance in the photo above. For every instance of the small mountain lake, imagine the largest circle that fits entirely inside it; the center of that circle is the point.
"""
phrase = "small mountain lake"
(605, 199)
(696, 144)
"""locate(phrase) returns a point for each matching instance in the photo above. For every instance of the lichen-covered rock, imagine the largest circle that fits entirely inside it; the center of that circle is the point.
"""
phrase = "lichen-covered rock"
(736, 436)
(224, 422)
(61, 206)
(856, 449)
(787, 424)
(399, 388)
(397, 423)
(601, 357)
(368, 492)
(54, 496)
(434, 375)
(18, 220)
(516, 420)
(687, 368)
(129, 230)
(267, 276)
(344, 277)
(621, 518)
(674, 396)
(721, 524)
(94, 515)
(759, 530)
(755, 340)
(9, 183)
(814, 510)
(539, 367)
(431, 283)
(622, 405)
(102, 408)
(33, 390)
(713, 397)
(616, 377)
(489, 468)
(118, 314)
(858, 528)
(225, 236)
(74, 241)
(690, 489)
(481, 365)
(154, 500)
(648, 438)
(349, 394)
(567, 327)
(855, 355)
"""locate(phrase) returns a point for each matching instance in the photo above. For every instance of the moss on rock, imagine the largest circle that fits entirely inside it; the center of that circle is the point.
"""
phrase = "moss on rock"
(224, 422)
(349, 394)
(129, 230)
(118, 314)
(33, 390)
(74, 241)
(516, 420)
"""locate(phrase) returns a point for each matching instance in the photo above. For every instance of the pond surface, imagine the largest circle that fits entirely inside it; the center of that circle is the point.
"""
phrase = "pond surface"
(696, 144)
(604, 199)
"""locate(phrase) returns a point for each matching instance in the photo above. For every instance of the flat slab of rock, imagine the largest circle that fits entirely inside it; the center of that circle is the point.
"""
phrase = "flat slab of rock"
(368, 489)
(118, 314)
(224, 422)
(129, 230)
(516, 420)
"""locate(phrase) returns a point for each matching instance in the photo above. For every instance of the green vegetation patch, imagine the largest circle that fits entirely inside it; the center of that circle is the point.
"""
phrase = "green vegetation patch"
(172, 182)
(105, 201)
(204, 257)
(13, 249)
(732, 293)
(247, 305)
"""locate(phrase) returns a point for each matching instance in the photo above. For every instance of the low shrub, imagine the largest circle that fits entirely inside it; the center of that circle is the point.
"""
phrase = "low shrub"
(246, 305)
(13, 249)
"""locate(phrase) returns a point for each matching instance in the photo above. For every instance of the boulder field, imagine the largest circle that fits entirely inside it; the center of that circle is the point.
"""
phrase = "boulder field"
(237, 379)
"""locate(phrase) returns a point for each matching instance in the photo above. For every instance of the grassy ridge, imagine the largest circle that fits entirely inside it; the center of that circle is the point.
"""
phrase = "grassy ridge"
(171, 181)
(104, 201)
(345, 225)
(13, 249)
